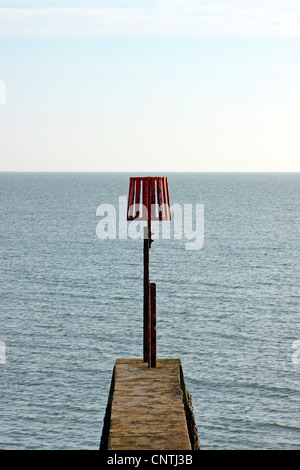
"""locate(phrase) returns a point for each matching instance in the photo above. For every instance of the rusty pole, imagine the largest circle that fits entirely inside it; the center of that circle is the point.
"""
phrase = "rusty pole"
(146, 297)
(153, 323)
(148, 199)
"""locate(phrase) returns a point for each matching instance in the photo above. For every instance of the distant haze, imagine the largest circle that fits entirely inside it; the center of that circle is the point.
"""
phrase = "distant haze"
(148, 86)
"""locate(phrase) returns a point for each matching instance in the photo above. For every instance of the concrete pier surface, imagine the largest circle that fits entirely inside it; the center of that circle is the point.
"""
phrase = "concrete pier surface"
(149, 408)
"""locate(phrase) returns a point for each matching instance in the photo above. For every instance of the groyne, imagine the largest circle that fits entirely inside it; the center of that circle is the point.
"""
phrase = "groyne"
(149, 408)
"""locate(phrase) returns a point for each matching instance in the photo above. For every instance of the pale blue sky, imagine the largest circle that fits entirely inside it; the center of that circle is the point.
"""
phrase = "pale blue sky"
(150, 85)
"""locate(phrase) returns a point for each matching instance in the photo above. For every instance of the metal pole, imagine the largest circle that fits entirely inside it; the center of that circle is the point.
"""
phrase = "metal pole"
(146, 296)
(153, 323)
(147, 194)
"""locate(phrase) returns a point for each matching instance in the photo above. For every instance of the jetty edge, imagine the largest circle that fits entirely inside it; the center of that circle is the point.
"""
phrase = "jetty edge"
(149, 408)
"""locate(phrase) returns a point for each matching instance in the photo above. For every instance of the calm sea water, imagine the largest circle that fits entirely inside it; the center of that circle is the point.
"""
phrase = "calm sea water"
(72, 303)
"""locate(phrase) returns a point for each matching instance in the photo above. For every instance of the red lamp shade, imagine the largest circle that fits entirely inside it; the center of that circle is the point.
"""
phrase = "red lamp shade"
(148, 198)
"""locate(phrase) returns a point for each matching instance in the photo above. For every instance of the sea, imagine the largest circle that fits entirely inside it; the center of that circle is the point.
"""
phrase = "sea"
(72, 303)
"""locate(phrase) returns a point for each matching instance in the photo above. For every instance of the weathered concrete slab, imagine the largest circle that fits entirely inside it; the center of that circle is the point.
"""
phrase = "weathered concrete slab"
(146, 409)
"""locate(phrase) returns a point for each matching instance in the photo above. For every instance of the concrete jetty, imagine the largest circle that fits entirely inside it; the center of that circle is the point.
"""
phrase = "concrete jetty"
(149, 408)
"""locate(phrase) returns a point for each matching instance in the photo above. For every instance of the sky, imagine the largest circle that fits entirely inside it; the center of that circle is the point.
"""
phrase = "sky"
(150, 85)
